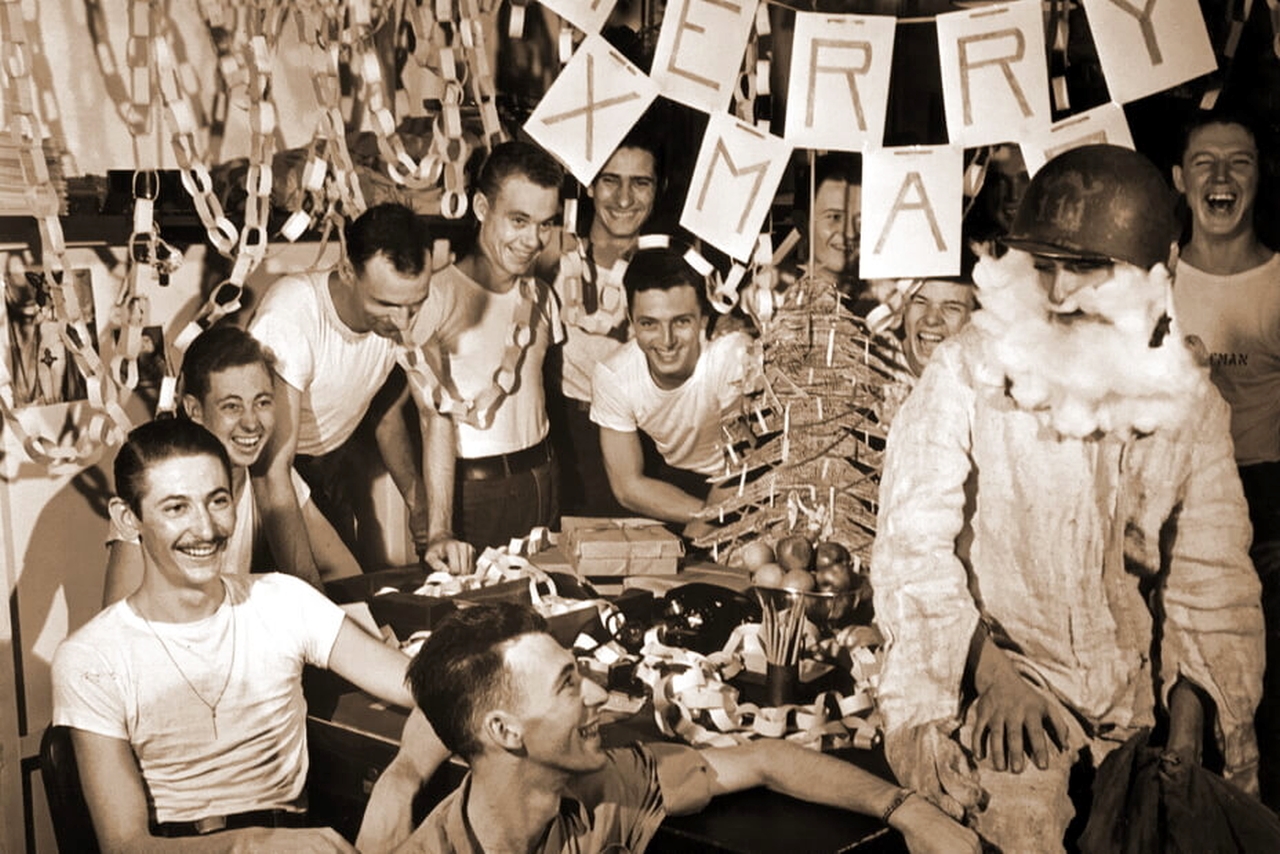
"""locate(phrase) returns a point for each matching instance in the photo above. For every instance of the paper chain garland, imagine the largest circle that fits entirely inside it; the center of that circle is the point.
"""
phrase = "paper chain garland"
(692, 701)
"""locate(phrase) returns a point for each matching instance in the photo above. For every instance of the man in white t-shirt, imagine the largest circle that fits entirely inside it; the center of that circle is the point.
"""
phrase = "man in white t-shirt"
(493, 321)
(588, 283)
(1227, 293)
(185, 699)
(670, 382)
(335, 337)
(227, 388)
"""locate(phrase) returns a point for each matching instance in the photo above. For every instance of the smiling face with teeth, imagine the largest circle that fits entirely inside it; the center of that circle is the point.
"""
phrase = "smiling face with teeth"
(937, 310)
(557, 711)
(1219, 176)
(185, 515)
(238, 408)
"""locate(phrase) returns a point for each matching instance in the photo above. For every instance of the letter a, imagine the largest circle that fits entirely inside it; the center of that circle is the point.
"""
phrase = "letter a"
(920, 204)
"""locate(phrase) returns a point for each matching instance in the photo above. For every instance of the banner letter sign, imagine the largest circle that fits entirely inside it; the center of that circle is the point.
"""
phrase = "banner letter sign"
(700, 50)
(912, 201)
(839, 82)
(589, 109)
(995, 83)
(1101, 124)
(1146, 46)
(737, 173)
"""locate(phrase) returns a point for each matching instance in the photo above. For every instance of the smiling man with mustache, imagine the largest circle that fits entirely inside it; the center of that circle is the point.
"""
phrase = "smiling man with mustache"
(185, 699)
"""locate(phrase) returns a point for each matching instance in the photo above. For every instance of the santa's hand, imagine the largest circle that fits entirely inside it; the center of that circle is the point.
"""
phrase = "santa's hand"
(1011, 720)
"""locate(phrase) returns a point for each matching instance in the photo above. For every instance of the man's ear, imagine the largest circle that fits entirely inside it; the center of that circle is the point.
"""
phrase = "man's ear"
(125, 519)
(1177, 179)
(480, 205)
(191, 406)
(504, 730)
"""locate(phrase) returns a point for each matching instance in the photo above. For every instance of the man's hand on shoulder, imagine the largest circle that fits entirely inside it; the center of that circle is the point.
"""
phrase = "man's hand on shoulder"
(928, 830)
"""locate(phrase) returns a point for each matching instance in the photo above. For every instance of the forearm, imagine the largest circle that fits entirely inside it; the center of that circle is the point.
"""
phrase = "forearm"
(392, 437)
(388, 818)
(822, 779)
(284, 526)
(657, 499)
(439, 463)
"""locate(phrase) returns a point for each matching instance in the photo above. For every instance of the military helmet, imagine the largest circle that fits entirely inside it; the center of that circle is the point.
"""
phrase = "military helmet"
(1099, 202)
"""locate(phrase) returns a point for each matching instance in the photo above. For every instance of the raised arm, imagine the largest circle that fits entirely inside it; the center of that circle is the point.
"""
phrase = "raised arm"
(657, 499)
(113, 789)
(811, 776)
(274, 492)
(388, 819)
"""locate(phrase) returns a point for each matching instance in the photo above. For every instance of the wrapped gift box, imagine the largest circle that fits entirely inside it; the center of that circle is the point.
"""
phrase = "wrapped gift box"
(620, 547)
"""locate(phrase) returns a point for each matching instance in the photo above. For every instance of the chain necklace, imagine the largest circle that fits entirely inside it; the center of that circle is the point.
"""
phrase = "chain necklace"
(212, 707)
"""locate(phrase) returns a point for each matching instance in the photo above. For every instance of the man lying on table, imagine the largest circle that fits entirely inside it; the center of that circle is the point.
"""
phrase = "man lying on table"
(509, 699)
(185, 699)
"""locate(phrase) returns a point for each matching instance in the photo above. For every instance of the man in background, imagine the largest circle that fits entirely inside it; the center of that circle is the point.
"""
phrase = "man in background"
(588, 284)
(1227, 294)
(671, 382)
(336, 337)
(491, 322)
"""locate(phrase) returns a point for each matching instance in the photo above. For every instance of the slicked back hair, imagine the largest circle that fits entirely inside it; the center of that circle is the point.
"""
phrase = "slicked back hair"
(152, 444)
(662, 269)
(461, 671)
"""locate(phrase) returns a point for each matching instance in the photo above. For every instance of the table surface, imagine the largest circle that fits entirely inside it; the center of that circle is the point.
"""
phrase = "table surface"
(353, 737)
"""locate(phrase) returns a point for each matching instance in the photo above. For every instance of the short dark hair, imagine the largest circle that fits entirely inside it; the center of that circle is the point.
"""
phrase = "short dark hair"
(1219, 116)
(837, 166)
(461, 672)
(219, 348)
(518, 157)
(662, 269)
(392, 230)
(642, 137)
(153, 443)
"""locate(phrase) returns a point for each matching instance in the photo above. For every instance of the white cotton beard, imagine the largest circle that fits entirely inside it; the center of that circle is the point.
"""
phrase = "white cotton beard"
(1086, 378)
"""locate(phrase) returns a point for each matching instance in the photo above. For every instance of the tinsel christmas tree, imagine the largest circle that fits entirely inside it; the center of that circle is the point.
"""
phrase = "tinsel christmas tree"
(804, 454)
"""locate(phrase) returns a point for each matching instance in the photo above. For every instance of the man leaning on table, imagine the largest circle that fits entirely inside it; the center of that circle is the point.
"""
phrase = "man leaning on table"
(508, 698)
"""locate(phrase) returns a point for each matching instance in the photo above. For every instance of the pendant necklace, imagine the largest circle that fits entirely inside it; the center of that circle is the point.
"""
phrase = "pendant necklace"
(212, 707)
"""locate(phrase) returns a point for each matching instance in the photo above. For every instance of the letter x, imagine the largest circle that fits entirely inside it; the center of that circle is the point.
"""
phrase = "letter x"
(590, 108)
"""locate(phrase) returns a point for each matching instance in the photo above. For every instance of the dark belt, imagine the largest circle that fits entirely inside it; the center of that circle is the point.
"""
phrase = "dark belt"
(215, 823)
(499, 466)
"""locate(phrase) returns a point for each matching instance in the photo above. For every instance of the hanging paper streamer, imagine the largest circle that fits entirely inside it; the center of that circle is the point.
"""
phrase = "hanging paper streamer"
(1146, 46)
(734, 181)
(587, 15)
(591, 106)
(912, 201)
(995, 83)
(700, 49)
(839, 90)
(1101, 124)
